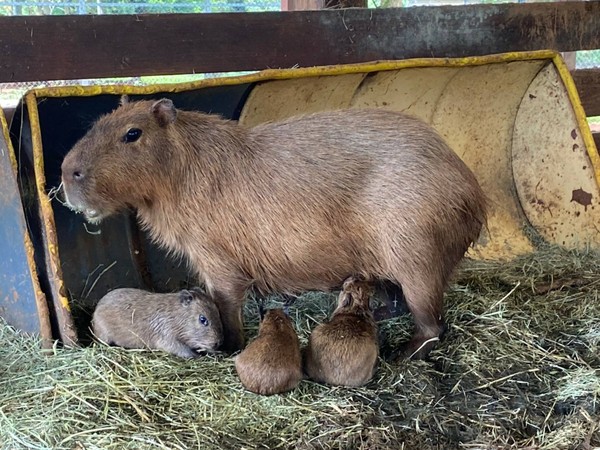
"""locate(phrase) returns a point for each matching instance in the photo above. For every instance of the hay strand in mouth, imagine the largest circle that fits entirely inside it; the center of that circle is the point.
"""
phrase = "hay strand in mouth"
(518, 368)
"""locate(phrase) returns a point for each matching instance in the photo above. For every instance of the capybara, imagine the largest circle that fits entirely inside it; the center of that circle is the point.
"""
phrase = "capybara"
(344, 350)
(272, 363)
(286, 207)
(183, 323)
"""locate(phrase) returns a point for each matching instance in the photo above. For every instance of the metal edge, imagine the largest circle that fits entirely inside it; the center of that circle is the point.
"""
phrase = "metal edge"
(584, 127)
(278, 74)
(40, 298)
(67, 327)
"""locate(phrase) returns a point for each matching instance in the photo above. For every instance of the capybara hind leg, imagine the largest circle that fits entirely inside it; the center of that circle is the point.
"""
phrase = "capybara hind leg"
(425, 302)
(394, 303)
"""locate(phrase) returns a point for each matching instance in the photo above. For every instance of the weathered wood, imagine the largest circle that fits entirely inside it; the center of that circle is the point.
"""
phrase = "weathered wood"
(588, 86)
(71, 47)
(306, 5)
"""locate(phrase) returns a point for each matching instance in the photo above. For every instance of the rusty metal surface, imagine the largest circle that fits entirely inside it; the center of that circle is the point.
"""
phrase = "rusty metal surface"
(553, 174)
(22, 304)
(95, 260)
(460, 98)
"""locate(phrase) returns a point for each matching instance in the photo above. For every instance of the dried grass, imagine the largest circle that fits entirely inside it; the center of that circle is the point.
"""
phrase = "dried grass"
(518, 368)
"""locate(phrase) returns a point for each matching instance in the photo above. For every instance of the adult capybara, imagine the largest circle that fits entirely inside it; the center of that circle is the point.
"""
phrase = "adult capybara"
(285, 207)
(344, 350)
(183, 323)
(272, 363)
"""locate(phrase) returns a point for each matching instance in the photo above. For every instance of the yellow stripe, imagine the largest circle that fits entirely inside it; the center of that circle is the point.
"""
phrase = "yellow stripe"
(278, 74)
(40, 297)
(40, 181)
(580, 116)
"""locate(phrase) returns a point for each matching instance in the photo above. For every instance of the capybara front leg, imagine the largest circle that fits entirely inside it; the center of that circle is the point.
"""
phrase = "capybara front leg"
(426, 305)
(233, 324)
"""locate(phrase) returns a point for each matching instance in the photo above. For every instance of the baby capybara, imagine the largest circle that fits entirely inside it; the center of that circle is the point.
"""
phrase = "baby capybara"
(272, 363)
(344, 350)
(286, 207)
(183, 323)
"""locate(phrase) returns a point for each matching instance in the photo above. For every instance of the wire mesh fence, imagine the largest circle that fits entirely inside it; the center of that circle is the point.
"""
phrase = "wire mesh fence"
(61, 7)
(10, 93)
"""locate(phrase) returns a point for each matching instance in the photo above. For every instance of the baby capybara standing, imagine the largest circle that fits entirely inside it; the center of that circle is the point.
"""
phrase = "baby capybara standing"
(272, 363)
(286, 207)
(344, 350)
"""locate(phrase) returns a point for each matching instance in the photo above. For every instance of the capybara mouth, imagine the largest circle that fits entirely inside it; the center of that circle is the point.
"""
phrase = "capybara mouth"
(75, 204)
(205, 350)
(91, 215)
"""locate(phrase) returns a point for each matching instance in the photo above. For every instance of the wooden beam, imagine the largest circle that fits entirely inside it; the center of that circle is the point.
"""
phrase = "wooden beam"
(588, 86)
(73, 47)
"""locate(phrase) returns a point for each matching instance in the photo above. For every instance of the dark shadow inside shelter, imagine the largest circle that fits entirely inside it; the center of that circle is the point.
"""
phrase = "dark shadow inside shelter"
(116, 253)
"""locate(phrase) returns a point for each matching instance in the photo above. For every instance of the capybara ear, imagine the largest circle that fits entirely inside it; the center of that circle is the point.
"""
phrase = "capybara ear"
(124, 100)
(186, 297)
(164, 111)
(346, 300)
(198, 290)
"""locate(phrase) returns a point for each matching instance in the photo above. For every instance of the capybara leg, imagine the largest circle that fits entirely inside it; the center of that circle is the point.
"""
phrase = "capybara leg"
(425, 302)
(233, 325)
(229, 298)
(394, 303)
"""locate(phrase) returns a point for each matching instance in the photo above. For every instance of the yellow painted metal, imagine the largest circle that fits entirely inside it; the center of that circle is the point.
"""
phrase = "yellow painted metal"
(554, 177)
(284, 98)
(68, 333)
(475, 103)
(40, 299)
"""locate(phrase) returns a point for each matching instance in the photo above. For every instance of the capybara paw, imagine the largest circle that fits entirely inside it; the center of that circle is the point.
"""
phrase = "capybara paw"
(416, 348)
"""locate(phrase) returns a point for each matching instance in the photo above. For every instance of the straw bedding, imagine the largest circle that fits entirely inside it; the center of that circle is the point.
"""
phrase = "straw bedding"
(518, 368)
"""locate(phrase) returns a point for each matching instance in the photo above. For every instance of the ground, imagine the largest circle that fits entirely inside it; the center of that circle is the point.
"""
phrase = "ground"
(518, 368)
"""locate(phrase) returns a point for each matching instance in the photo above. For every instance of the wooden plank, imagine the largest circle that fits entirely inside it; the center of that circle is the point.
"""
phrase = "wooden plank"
(588, 86)
(72, 47)
(305, 5)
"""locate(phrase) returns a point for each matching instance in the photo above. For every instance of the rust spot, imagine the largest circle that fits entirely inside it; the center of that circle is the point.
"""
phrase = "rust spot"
(532, 96)
(577, 214)
(575, 146)
(582, 197)
(584, 167)
(574, 133)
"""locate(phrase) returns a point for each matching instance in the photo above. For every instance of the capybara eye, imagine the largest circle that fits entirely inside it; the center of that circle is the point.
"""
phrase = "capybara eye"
(203, 321)
(132, 135)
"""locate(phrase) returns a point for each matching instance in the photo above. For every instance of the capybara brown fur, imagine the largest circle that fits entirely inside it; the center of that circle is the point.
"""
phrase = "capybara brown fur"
(272, 363)
(344, 350)
(183, 323)
(286, 207)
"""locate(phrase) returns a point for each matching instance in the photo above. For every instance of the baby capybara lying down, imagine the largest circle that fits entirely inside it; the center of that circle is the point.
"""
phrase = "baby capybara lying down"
(344, 350)
(286, 207)
(183, 323)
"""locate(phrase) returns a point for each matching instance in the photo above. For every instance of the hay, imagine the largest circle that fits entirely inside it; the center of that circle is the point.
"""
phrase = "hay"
(518, 368)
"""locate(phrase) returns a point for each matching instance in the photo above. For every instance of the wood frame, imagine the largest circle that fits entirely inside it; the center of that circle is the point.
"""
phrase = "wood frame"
(76, 47)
